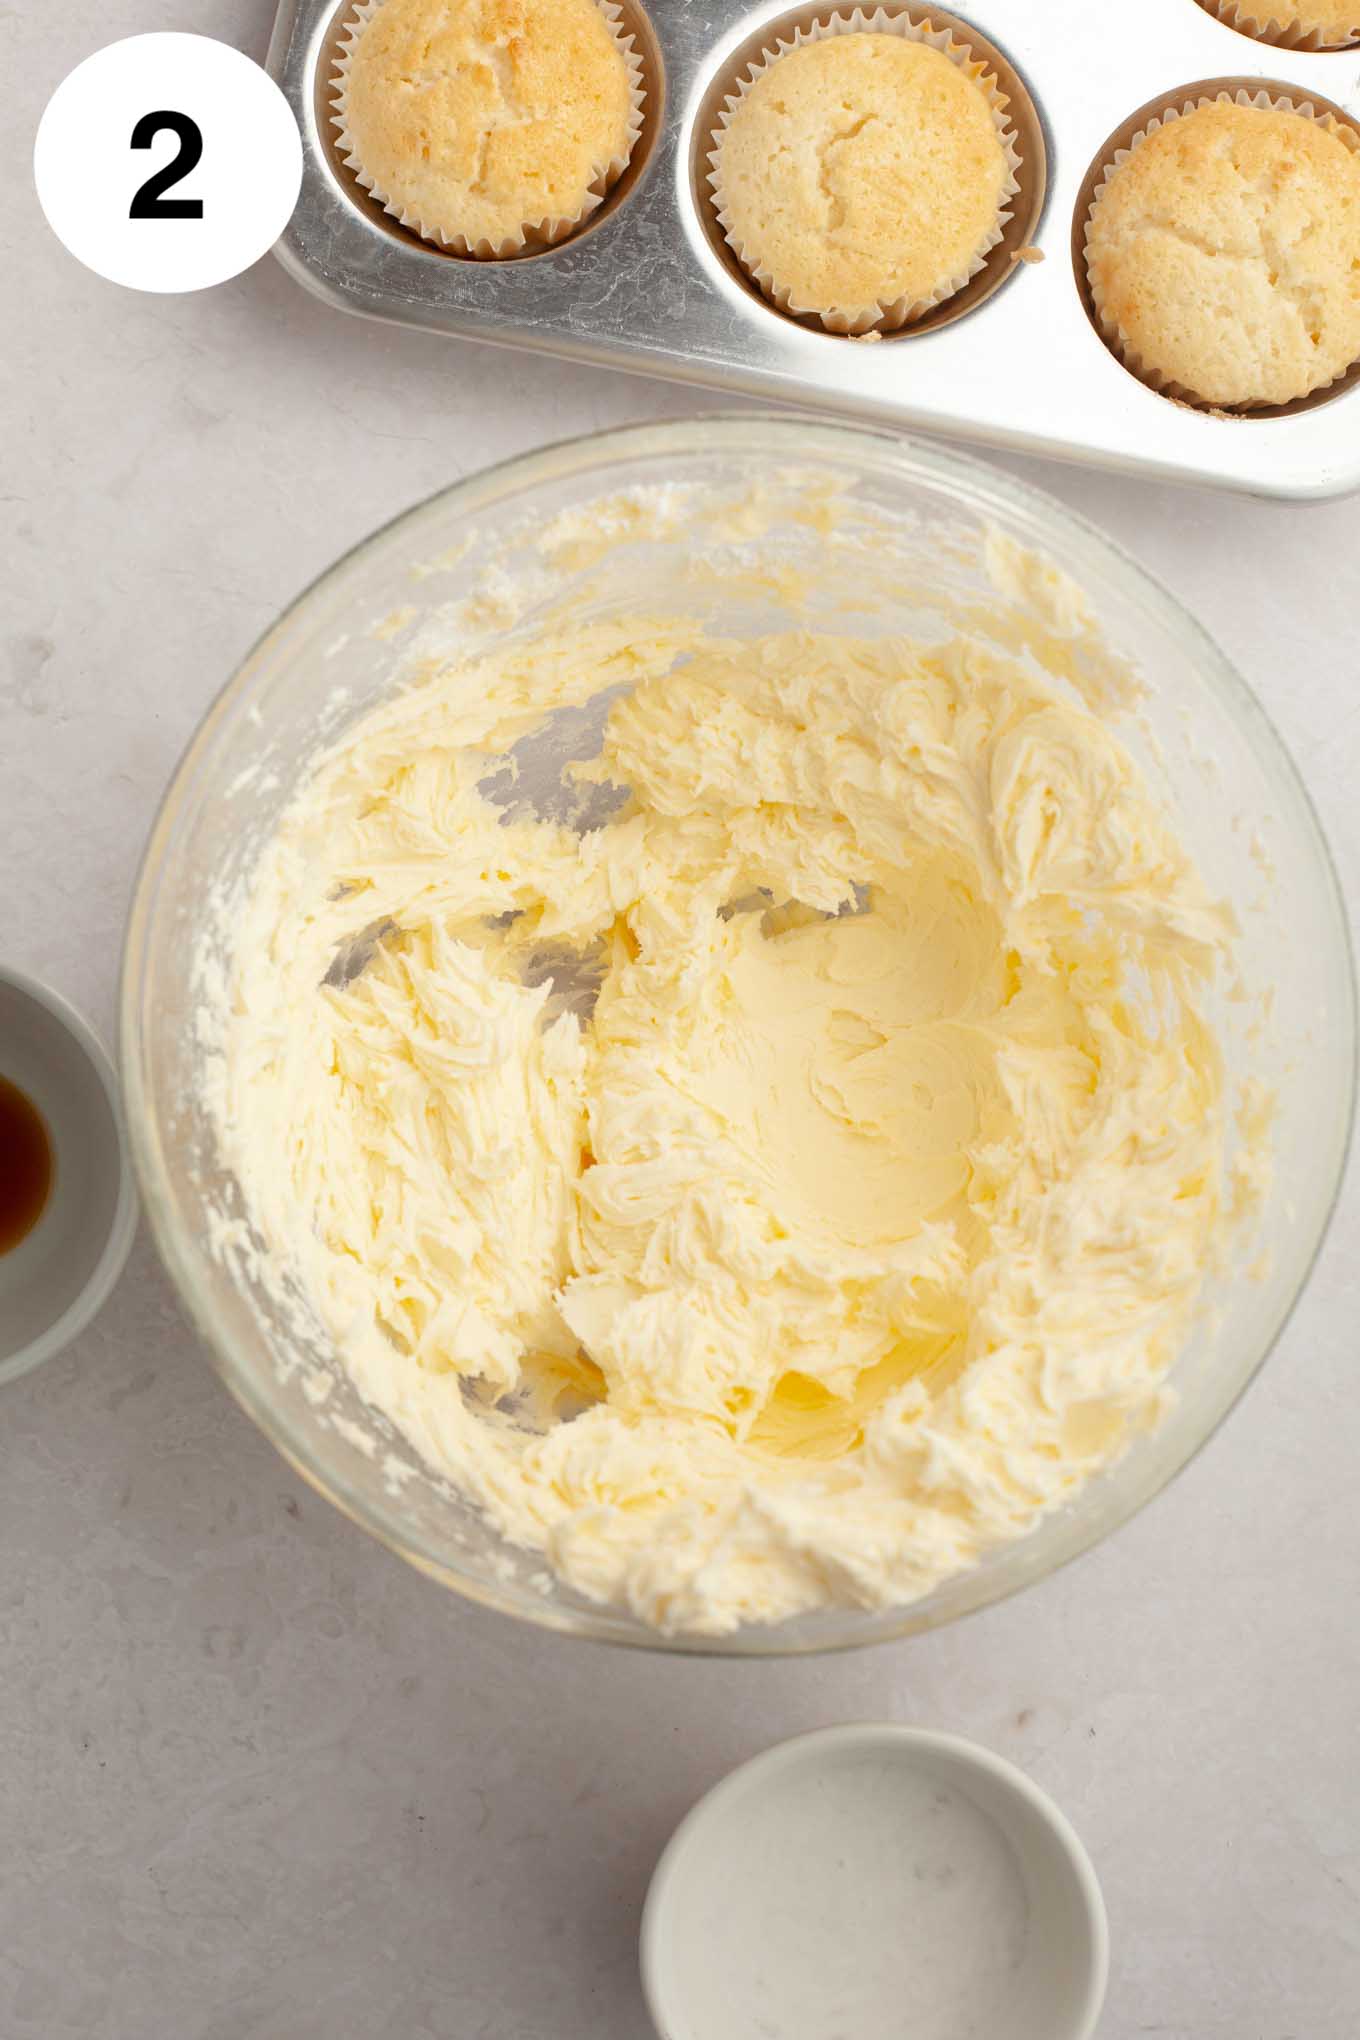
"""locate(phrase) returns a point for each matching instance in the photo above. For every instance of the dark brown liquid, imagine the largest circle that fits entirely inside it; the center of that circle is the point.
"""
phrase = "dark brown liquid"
(25, 1165)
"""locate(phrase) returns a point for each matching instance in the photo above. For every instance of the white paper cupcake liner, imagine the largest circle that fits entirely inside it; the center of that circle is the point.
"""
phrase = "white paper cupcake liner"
(531, 234)
(1263, 26)
(882, 316)
(1115, 338)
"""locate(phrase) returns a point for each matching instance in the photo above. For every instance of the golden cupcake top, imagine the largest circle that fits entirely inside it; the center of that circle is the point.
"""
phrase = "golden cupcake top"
(1224, 255)
(479, 121)
(1333, 21)
(862, 170)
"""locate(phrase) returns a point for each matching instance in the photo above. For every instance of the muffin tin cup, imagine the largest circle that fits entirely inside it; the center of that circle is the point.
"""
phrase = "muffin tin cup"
(532, 235)
(1263, 26)
(880, 316)
(1176, 109)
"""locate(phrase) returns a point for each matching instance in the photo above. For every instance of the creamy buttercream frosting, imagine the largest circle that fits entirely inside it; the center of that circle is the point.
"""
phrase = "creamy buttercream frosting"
(778, 1166)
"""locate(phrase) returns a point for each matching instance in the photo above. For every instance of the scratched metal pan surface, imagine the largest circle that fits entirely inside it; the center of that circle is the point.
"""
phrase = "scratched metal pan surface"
(1014, 361)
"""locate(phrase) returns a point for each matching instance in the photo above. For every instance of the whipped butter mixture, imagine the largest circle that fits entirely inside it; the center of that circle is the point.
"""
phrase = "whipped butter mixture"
(787, 1188)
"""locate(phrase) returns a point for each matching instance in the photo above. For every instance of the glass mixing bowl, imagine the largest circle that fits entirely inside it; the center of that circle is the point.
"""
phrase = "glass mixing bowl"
(1201, 736)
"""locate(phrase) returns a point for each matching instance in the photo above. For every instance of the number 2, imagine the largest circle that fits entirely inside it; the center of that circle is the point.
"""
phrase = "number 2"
(149, 202)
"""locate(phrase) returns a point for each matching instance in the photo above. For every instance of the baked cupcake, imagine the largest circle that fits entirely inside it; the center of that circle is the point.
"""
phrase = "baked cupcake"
(1223, 252)
(1294, 24)
(864, 175)
(488, 126)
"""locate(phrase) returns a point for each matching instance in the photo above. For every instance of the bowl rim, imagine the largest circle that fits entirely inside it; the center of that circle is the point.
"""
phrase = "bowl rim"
(99, 1284)
(787, 434)
(908, 1743)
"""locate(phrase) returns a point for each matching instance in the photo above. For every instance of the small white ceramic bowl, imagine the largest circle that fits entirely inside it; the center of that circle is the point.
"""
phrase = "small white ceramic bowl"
(56, 1278)
(866, 1883)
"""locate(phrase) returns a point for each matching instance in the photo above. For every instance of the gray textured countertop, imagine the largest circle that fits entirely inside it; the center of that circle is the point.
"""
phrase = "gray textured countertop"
(257, 1780)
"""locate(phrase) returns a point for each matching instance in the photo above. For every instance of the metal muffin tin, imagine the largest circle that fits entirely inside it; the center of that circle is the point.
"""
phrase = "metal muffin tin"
(1015, 361)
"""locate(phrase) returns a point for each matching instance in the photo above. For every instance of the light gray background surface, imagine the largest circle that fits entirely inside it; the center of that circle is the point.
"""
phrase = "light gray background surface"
(258, 1781)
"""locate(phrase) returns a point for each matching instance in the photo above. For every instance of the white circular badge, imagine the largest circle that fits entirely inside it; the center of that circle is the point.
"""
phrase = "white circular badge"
(168, 162)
